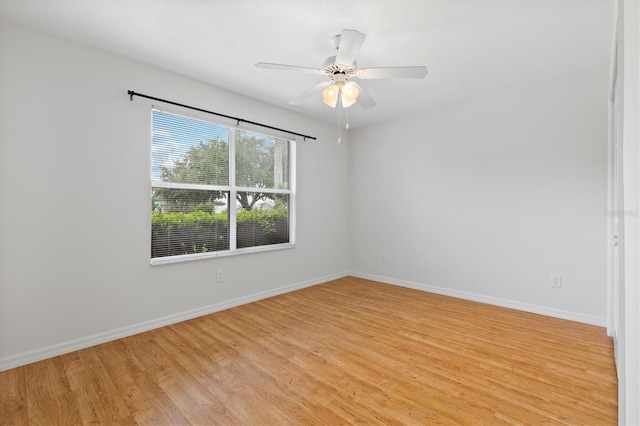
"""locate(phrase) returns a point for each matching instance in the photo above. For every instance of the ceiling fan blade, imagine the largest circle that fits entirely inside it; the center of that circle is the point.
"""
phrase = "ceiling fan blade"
(392, 72)
(364, 99)
(269, 65)
(349, 46)
(309, 93)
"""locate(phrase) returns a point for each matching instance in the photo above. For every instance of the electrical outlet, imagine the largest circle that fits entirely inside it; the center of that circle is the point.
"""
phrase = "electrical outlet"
(219, 276)
(556, 280)
(383, 258)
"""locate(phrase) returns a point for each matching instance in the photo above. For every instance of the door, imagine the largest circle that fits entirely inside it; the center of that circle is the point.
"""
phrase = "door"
(615, 208)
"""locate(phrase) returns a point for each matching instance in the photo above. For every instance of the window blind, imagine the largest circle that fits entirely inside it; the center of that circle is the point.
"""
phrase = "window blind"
(216, 189)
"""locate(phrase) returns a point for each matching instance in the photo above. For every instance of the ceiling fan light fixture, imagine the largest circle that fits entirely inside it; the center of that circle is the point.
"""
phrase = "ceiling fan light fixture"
(330, 95)
(349, 94)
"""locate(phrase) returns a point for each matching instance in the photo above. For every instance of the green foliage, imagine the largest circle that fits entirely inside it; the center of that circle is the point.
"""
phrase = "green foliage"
(201, 217)
(209, 206)
(260, 163)
(265, 218)
(201, 231)
(195, 218)
(254, 167)
(254, 161)
(205, 164)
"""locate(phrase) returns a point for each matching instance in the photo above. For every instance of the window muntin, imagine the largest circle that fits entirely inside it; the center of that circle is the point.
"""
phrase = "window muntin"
(196, 168)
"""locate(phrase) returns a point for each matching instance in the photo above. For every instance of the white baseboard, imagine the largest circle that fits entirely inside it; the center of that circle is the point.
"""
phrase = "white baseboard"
(96, 339)
(505, 303)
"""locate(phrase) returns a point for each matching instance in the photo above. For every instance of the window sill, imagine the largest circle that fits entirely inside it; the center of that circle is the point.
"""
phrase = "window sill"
(213, 255)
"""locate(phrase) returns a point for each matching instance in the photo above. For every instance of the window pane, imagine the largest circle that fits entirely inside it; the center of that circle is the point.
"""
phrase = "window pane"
(187, 221)
(186, 150)
(262, 219)
(192, 214)
(261, 161)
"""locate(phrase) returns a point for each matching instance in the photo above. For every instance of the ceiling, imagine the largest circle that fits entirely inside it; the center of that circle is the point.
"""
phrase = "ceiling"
(471, 47)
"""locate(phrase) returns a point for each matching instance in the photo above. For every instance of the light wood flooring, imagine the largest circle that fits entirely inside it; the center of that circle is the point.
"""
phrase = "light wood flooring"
(348, 351)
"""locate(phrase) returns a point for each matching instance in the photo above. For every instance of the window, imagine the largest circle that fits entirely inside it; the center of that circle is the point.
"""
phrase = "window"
(217, 190)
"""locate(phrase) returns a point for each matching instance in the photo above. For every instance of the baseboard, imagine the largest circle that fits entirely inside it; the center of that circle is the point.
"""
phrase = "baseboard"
(616, 349)
(505, 303)
(96, 339)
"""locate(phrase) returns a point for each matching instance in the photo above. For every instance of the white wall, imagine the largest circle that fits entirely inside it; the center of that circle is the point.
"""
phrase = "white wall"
(74, 202)
(487, 199)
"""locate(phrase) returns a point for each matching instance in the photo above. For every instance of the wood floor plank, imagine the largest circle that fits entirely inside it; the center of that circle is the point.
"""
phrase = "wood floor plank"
(393, 368)
(94, 390)
(298, 378)
(366, 366)
(274, 389)
(145, 399)
(448, 342)
(179, 379)
(13, 397)
(520, 362)
(328, 382)
(350, 351)
(50, 398)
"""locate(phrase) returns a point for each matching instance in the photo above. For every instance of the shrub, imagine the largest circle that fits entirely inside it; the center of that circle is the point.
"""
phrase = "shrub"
(203, 231)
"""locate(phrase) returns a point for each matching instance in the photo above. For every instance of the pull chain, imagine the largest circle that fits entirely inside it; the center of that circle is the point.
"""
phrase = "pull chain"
(339, 120)
(347, 126)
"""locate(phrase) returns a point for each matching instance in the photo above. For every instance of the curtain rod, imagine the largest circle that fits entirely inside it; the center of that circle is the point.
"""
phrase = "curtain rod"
(131, 94)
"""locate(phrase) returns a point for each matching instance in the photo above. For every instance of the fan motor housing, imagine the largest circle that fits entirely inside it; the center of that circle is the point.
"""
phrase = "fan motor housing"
(332, 68)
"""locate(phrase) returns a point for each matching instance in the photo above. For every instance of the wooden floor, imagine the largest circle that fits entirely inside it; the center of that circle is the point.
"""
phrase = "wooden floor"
(348, 351)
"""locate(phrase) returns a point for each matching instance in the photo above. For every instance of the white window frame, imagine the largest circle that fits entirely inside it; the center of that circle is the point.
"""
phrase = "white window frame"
(232, 190)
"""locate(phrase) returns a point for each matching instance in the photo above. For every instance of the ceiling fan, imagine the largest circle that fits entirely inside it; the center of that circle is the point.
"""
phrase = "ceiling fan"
(340, 69)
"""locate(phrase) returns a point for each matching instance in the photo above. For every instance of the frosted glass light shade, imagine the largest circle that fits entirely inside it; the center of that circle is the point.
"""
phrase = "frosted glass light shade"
(349, 94)
(330, 95)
